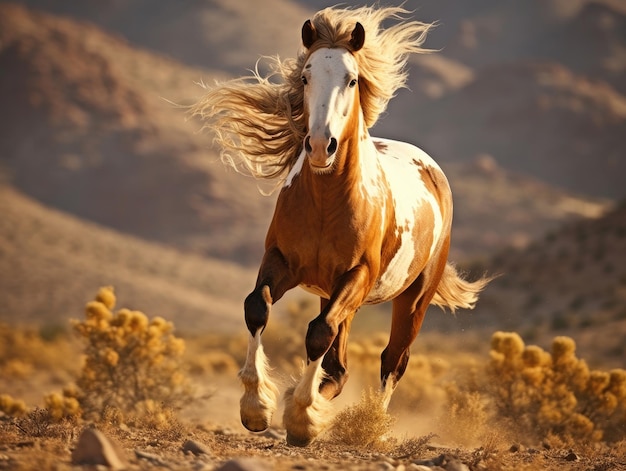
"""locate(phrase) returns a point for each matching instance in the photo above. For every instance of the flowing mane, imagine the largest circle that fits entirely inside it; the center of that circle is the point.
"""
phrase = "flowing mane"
(259, 121)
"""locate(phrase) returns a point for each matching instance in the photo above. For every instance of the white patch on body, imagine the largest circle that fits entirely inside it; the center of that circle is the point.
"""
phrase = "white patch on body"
(409, 193)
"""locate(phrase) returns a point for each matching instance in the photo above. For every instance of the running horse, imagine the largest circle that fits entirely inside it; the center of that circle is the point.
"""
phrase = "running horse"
(358, 220)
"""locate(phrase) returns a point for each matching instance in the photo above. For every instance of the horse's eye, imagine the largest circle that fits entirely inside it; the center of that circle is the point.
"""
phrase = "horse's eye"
(352, 83)
(304, 80)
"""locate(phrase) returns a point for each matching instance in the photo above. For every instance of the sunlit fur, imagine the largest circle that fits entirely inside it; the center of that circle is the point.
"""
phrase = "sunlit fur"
(259, 121)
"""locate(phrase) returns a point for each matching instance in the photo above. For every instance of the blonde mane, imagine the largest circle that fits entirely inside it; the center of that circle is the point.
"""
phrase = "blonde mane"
(259, 122)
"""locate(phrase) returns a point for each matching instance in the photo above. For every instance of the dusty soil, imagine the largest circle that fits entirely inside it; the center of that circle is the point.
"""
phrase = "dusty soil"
(213, 427)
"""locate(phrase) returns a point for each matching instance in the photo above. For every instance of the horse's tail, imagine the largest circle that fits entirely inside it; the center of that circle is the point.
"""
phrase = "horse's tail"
(454, 292)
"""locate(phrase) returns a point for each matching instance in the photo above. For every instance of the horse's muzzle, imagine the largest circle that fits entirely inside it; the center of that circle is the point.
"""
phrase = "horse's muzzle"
(321, 151)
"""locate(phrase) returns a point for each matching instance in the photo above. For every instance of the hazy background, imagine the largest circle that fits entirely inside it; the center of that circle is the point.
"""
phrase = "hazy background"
(104, 181)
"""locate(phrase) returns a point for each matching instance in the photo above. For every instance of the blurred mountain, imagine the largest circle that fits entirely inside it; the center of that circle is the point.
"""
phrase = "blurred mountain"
(87, 127)
(494, 207)
(495, 57)
(586, 36)
(52, 263)
(218, 34)
(535, 118)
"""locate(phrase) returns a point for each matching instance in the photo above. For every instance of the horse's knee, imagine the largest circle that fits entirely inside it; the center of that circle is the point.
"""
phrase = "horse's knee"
(257, 309)
(319, 337)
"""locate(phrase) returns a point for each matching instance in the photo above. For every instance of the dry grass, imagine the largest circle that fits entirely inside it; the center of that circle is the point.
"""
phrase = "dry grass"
(365, 424)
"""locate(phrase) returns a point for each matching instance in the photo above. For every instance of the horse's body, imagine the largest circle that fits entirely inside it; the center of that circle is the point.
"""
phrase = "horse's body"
(358, 220)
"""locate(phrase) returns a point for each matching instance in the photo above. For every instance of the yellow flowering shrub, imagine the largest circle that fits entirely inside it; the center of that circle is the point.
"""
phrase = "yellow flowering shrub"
(129, 360)
(61, 406)
(555, 393)
(12, 407)
(23, 351)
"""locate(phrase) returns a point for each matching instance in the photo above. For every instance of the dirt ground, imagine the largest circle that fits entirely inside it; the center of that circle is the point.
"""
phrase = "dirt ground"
(209, 437)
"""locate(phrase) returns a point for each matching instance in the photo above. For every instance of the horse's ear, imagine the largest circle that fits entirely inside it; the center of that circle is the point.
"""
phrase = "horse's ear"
(309, 34)
(358, 37)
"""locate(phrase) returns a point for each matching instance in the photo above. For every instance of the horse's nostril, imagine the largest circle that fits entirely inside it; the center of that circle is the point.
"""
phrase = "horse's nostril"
(307, 145)
(332, 147)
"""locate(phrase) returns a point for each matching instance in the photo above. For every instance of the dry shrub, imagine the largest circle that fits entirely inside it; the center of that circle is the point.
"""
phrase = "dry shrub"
(23, 350)
(555, 394)
(12, 407)
(41, 423)
(214, 362)
(412, 447)
(63, 406)
(160, 420)
(129, 360)
(363, 425)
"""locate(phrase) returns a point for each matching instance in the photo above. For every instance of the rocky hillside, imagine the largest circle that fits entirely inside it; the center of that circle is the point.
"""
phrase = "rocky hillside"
(572, 281)
(495, 208)
(586, 36)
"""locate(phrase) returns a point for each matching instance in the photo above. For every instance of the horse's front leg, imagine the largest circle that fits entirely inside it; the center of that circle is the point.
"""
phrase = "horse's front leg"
(260, 397)
(307, 405)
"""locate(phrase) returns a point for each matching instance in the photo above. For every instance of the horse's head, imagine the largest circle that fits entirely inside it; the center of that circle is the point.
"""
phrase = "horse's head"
(331, 96)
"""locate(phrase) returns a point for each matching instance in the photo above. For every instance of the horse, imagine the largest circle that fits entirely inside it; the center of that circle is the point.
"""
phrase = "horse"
(358, 220)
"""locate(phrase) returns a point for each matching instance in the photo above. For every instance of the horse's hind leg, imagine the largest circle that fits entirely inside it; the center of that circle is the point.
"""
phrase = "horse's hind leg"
(409, 309)
(406, 322)
(260, 397)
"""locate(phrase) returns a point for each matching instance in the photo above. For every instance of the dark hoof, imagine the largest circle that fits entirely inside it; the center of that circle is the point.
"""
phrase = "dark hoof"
(255, 425)
(292, 440)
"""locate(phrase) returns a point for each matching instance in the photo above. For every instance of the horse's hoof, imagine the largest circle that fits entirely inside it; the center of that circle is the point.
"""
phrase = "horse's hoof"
(256, 424)
(293, 440)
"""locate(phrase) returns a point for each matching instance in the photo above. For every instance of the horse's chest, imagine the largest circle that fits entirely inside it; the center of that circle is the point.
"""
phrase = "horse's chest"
(321, 248)
(320, 251)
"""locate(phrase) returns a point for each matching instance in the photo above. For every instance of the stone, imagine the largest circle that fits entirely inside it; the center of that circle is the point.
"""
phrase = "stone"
(151, 457)
(197, 448)
(244, 464)
(456, 465)
(95, 448)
